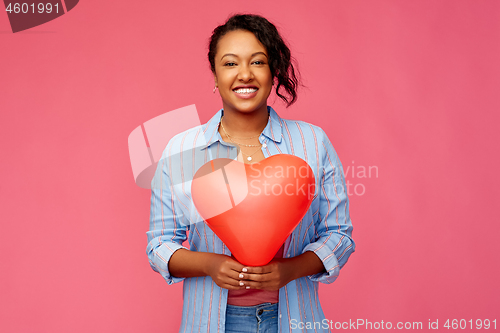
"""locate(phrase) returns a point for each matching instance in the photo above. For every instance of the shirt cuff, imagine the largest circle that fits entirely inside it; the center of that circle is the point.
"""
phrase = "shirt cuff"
(162, 256)
(329, 260)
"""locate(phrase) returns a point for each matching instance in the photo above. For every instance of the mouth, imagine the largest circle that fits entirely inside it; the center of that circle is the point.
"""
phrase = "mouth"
(245, 91)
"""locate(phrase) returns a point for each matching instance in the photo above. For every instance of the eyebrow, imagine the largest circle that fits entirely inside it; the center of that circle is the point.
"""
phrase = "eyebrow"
(234, 55)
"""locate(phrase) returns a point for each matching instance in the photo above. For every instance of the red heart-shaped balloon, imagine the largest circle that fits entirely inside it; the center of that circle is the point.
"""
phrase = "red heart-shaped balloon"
(253, 207)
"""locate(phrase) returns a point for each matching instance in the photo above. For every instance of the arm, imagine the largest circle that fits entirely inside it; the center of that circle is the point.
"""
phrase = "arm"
(186, 263)
(334, 227)
(167, 231)
(322, 259)
(306, 264)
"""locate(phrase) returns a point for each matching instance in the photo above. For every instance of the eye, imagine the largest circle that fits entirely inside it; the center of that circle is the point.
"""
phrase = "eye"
(258, 62)
(229, 63)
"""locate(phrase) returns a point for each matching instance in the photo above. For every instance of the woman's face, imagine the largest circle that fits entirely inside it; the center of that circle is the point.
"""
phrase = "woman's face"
(241, 60)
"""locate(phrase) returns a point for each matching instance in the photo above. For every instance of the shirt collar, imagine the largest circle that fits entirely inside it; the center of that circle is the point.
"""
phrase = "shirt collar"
(273, 129)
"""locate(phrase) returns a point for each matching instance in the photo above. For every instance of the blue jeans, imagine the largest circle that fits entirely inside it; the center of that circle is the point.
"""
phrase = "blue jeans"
(252, 319)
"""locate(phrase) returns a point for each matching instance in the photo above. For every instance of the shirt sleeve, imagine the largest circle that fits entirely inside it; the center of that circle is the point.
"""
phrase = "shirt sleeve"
(167, 229)
(333, 225)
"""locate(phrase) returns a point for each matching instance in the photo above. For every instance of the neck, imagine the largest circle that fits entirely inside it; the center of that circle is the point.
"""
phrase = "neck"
(245, 124)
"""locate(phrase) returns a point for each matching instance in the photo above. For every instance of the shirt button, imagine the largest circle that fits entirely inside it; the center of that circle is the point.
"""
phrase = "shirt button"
(280, 315)
(262, 137)
(264, 145)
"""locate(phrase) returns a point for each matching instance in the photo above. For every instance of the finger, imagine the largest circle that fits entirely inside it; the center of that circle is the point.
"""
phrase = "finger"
(264, 285)
(252, 285)
(235, 265)
(231, 287)
(236, 276)
(237, 285)
(232, 280)
(254, 277)
(257, 269)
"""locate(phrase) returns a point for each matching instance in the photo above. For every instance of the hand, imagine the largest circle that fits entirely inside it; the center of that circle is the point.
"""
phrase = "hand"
(272, 276)
(225, 271)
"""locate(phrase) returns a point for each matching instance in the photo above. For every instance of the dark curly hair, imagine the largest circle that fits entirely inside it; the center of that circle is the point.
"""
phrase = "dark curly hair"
(280, 59)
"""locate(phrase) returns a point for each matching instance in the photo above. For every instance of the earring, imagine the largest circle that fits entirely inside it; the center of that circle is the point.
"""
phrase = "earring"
(215, 88)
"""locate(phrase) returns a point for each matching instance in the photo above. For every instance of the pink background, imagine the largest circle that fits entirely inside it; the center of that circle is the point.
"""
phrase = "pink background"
(410, 87)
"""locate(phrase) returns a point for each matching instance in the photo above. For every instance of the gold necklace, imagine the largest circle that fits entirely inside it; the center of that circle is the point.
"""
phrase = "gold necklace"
(234, 136)
(239, 144)
(249, 157)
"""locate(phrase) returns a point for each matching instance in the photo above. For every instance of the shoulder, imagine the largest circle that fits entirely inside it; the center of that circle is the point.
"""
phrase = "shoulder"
(176, 143)
(190, 133)
(306, 130)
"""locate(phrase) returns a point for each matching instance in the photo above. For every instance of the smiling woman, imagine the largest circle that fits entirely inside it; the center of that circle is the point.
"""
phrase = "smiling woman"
(248, 58)
(242, 76)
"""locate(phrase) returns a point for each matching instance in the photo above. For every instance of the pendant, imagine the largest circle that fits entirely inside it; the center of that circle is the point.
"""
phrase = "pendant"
(249, 158)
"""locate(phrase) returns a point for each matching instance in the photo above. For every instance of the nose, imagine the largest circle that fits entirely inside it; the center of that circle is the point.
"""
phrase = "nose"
(245, 73)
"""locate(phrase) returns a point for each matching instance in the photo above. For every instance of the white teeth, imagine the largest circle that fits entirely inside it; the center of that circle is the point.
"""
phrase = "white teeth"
(245, 90)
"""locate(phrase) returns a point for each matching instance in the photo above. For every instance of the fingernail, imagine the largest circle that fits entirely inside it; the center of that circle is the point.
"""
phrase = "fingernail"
(241, 276)
(248, 287)
(244, 269)
(241, 283)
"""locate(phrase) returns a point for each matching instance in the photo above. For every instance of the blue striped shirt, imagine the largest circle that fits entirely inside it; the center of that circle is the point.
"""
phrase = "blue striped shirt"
(326, 228)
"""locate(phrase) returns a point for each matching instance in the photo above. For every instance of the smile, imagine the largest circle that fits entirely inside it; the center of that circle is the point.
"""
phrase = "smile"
(246, 93)
(245, 90)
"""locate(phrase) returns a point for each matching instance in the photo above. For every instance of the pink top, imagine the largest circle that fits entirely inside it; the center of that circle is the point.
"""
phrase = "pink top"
(250, 297)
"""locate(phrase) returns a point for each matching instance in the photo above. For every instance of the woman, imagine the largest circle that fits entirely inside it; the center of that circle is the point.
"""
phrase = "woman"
(247, 58)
